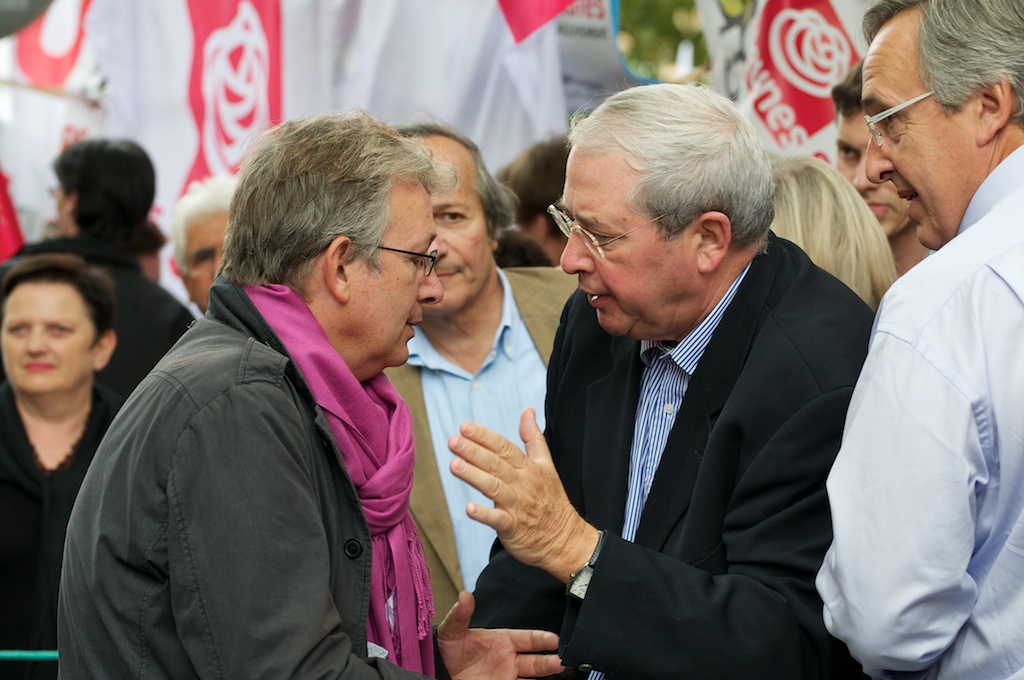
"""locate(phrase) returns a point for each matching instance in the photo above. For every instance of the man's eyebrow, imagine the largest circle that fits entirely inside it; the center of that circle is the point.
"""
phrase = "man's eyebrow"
(450, 205)
(871, 103)
(201, 253)
(588, 222)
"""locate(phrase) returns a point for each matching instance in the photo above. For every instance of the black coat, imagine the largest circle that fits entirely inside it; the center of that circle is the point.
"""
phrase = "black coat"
(148, 320)
(34, 511)
(720, 581)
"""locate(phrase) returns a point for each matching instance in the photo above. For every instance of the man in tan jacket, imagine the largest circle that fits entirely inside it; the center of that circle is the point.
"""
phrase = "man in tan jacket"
(480, 354)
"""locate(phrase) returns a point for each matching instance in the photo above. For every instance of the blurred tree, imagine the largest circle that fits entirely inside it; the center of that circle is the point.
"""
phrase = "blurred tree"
(650, 32)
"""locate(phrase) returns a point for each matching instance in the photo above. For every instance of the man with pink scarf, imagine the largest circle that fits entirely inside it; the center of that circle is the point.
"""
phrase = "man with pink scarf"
(247, 514)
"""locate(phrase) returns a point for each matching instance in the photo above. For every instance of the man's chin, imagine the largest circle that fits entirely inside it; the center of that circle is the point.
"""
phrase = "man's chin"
(612, 324)
(930, 237)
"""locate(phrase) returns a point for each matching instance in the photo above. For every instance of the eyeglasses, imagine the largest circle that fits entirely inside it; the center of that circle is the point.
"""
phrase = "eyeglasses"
(873, 121)
(567, 226)
(426, 261)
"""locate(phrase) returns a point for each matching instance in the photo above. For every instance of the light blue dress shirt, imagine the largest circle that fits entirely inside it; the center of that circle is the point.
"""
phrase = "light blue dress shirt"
(513, 377)
(665, 379)
(925, 575)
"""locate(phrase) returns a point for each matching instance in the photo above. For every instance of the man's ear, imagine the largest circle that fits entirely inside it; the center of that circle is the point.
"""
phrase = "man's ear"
(995, 107)
(714, 233)
(335, 268)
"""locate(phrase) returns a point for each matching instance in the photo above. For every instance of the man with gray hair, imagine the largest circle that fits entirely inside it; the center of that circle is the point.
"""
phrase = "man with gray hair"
(696, 395)
(924, 576)
(198, 225)
(246, 515)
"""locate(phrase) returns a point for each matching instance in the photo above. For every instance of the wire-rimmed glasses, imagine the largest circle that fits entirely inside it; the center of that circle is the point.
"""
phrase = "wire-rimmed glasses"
(877, 131)
(567, 226)
(425, 261)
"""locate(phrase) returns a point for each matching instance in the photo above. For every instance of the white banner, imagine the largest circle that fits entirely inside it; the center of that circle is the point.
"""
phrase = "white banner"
(192, 80)
(592, 65)
(778, 59)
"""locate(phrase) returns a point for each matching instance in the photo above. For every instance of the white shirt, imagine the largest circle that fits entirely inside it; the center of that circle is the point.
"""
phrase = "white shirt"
(925, 575)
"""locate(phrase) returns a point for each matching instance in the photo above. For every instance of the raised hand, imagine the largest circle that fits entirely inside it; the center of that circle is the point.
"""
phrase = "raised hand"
(534, 519)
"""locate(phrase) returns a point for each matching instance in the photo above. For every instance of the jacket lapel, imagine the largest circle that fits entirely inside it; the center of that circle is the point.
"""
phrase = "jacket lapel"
(608, 435)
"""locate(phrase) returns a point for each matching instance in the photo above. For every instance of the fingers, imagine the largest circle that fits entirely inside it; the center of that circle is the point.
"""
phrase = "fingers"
(530, 664)
(456, 621)
(497, 519)
(468, 470)
(532, 640)
(532, 436)
(538, 665)
(491, 442)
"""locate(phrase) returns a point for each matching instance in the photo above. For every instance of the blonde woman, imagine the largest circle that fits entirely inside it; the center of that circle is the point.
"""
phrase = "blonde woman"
(816, 208)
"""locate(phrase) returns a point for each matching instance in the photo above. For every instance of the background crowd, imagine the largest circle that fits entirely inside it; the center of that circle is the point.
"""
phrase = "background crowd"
(666, 404)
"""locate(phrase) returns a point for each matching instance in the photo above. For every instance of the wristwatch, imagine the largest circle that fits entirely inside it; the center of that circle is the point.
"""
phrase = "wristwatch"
(579, 582)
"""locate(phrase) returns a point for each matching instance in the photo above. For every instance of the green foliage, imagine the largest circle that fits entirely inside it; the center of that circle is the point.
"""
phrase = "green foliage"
(651, 30)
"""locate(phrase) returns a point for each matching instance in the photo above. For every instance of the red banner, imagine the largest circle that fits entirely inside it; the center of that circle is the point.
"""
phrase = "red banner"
(802, 51)
(47, 62)
(235, 86)
(11, 239)
(526, 16)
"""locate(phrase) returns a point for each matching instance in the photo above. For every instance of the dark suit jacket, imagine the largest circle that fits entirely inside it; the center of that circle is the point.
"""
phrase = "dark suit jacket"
(720, 581)
(540, 294)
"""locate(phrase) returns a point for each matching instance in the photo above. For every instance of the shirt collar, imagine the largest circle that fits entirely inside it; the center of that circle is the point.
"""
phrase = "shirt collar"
(422, 353)
(687, 353)
(1001, 182)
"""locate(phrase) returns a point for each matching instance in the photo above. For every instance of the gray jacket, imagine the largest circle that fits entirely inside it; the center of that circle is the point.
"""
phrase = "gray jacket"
(217, 534)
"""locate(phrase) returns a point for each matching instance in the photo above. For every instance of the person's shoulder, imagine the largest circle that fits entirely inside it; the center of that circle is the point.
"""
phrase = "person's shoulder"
(551, 279)
(988, 252)
(813, 318)
(540, 290)
(212, 358)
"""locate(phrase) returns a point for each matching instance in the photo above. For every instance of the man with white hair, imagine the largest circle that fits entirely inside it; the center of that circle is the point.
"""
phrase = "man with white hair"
(696, 396)
(198, 225)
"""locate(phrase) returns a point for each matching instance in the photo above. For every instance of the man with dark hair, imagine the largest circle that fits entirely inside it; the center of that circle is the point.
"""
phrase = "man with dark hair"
(536, 176)
(851, 141)
(924, 576)
(104, 193)
(480, 354)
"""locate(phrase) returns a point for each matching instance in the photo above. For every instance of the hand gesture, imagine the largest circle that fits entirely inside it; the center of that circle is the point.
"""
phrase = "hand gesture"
(494, 654)
(534, 519)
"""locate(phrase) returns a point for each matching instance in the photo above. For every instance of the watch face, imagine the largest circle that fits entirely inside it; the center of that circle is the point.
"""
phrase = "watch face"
(581, 582)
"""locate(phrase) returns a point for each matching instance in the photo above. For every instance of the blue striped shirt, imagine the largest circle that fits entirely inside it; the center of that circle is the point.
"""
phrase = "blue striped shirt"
(666, 376)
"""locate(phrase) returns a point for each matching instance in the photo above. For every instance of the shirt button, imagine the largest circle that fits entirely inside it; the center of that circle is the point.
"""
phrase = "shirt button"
(477, 385)
(584, 668)
(669, 409)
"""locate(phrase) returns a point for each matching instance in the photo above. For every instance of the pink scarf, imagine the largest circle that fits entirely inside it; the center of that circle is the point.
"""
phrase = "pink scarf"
(373, 430)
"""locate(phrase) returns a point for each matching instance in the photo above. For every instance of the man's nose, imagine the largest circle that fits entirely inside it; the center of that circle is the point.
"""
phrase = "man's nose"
(576, 257)
(431, 291)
